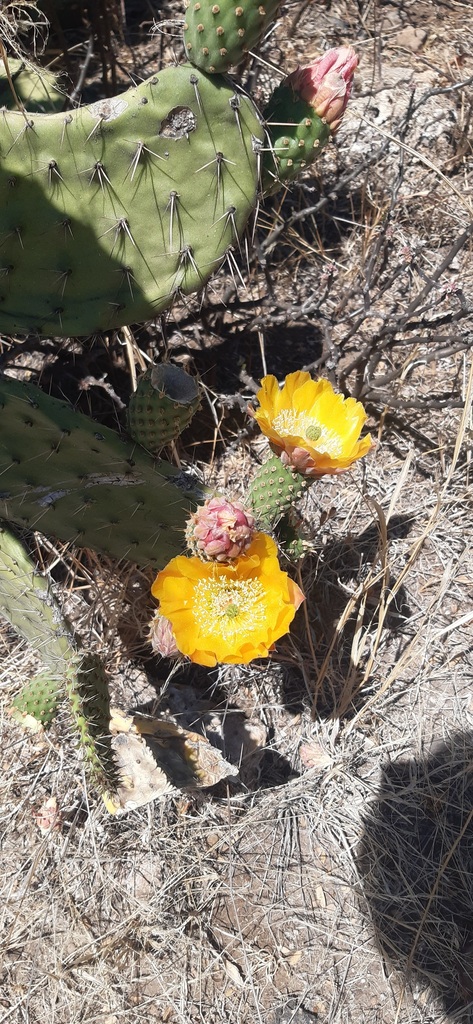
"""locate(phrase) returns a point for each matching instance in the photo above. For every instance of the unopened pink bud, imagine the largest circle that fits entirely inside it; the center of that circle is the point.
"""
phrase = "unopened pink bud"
(326, 84)
(161, 637)
(220, 530)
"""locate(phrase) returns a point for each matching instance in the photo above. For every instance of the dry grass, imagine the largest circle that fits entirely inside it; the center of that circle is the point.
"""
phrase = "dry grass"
(333, 882)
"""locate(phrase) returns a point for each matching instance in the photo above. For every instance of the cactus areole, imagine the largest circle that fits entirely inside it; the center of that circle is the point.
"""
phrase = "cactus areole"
(110, 211)
(219, 35)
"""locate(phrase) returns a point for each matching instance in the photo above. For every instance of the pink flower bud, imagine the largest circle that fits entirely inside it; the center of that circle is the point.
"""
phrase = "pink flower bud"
(326, 83)
(161, 637)
(220, 530)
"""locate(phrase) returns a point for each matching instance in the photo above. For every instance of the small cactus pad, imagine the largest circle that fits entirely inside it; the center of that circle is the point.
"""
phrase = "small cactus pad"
(87, 688)
(70, 477)
(110, 211)
(35, 87)
(296, 134)
(39, 699)
(162, 406)
(217, 36)
(28, 604)
(273, 492)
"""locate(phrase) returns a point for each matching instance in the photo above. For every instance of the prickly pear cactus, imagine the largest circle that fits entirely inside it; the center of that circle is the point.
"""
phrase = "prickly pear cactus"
(165, 400)
(28, 604)
(89, 701)
(110, 211)
(273, 492)
(296, 135)
(217, 36)
(36, 88)
(66, 475)
(38, 699)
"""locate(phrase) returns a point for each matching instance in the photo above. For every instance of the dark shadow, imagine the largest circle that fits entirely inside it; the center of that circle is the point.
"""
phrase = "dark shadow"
(101, 28)
(349, 560)
(44, 288)
(89, 374)
(416, 866)
(226, 346)
(295, 1013)
(226, 355)
(338, 571)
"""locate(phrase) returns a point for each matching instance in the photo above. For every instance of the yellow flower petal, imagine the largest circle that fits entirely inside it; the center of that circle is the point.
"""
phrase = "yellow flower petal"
(228, 613)
(314, 429)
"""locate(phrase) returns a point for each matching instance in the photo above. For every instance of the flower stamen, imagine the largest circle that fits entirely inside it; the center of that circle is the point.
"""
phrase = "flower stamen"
(296, 424)
(229, 607)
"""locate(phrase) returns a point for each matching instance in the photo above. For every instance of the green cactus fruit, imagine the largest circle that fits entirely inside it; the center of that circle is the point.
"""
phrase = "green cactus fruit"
(217, 36)
(65, 475)
(162, 406)
(273, 491)
(110, 211)
(39, 699)
(296, 137)
(35, 87)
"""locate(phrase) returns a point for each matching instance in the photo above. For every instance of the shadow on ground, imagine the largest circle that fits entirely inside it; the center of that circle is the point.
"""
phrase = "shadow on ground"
(416, 865)
(329, 578)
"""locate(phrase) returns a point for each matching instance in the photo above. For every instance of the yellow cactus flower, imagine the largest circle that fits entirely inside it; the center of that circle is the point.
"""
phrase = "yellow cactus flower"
(228, 613)
(313, 429)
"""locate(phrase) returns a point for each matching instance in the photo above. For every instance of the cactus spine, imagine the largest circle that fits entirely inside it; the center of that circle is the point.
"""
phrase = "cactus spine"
(38, 699)
(111, 211)
(165, 400)
(296, 136)
(28, 604)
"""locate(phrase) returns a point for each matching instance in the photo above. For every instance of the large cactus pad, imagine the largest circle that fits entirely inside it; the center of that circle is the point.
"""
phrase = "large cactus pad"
(109, 211)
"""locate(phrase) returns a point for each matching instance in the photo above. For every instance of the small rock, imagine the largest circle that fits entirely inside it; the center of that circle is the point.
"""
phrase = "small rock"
(411, 38)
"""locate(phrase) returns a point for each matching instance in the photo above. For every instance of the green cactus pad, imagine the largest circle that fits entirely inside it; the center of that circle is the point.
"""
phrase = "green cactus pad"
(87, 689)
(296, 136)
(273, 491)
(65, 475)
(162, 406)
(35, 87)
(293, 546)
(110, 211)
(217, 36)
(39, 699)
(28, 604)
